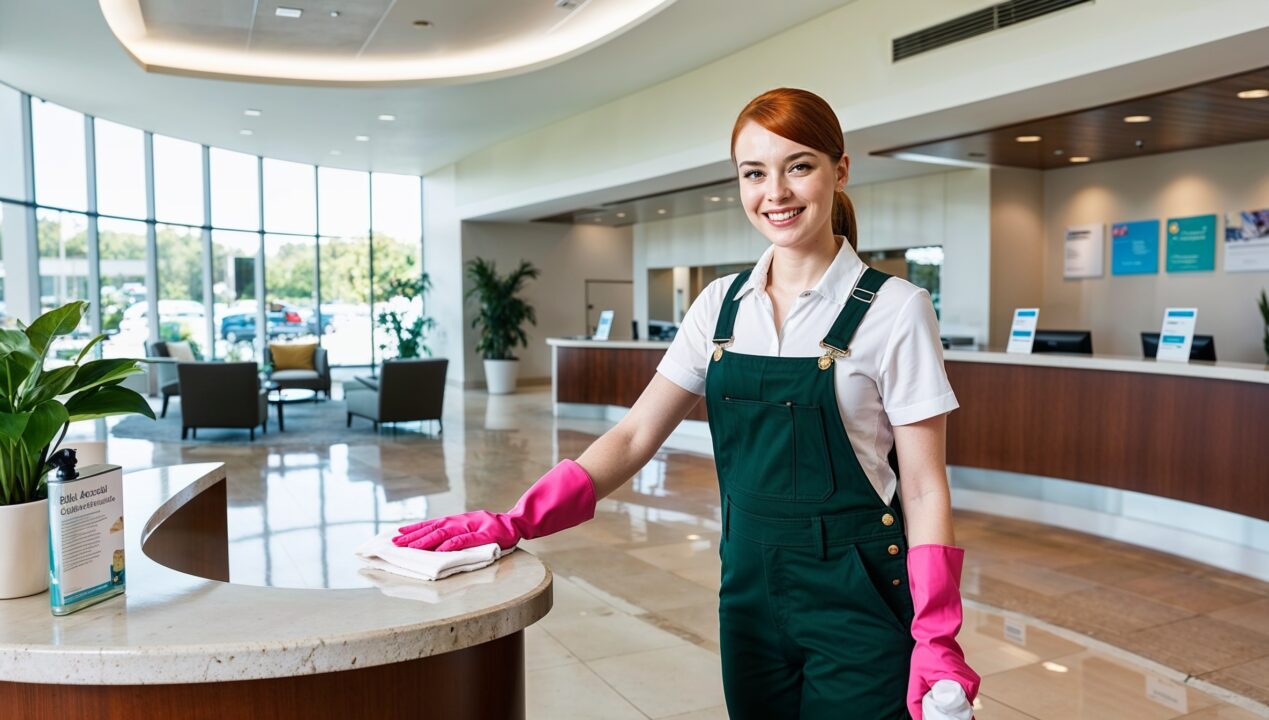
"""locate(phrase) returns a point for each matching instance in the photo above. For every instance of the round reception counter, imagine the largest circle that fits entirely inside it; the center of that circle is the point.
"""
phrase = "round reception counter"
(187, 641)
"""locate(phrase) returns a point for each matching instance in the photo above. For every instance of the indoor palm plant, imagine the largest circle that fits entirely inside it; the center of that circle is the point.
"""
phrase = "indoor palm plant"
(37, 404)
(404, 326)
(501, 319)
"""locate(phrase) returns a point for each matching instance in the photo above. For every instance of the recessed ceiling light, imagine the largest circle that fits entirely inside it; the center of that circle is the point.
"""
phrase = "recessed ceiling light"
(1137, 119)
(621, 215)
(251, 112)
(336, 152)
(1079, 159)
(1028, 138)
(661, 211)
(288, 12)
(387, 118)
(245, 131)
(334, 13)
(715, 198)
(422, 23)
(1254, 94)
(362, 138)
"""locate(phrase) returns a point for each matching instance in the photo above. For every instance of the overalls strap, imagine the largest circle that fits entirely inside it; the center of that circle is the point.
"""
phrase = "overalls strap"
(861, 297)
(727, 313)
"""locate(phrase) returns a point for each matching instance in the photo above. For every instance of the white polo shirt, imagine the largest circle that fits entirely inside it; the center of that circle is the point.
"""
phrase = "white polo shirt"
(893, 376)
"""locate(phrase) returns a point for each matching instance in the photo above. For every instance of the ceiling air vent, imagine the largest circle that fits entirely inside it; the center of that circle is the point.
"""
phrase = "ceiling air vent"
(976, 23)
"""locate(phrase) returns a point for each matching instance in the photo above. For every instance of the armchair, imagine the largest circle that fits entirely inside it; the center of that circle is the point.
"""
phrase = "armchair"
(405, 390)
(222, 395)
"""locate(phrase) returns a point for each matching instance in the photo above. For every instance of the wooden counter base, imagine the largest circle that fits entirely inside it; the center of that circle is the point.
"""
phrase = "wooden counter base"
(476, 683)
(1197, 440)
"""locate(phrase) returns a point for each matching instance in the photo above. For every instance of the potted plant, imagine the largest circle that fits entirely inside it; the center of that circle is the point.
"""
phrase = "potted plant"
(500, 320)
(36, 403)
(403, 326)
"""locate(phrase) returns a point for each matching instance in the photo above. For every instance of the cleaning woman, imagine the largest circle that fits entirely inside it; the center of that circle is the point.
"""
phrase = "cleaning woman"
(839, 595)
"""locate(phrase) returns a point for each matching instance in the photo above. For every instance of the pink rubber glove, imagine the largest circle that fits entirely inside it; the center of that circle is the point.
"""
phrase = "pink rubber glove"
(934, 576)
(560, 499)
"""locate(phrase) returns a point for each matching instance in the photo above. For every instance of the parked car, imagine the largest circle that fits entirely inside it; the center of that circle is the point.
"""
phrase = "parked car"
(285, 322)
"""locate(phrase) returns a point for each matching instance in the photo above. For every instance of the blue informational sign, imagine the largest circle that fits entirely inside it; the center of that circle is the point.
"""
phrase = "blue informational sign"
(1192, 243)
(1134, 248)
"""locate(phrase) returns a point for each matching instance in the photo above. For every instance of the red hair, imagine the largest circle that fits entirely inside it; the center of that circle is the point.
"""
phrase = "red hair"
(806, 119)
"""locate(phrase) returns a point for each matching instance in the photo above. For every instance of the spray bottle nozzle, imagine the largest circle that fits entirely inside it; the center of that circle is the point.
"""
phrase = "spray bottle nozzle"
(64, 461)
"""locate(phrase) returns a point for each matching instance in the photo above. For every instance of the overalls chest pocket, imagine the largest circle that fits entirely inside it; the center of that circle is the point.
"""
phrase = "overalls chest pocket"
(776, 450)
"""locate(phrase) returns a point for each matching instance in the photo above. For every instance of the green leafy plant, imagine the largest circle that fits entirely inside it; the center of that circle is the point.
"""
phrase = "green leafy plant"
(406, 328)
(502, 314)
(31, 413)
(1264, 313)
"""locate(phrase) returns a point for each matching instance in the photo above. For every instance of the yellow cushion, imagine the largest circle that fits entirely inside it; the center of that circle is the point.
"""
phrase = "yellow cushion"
(292, 356)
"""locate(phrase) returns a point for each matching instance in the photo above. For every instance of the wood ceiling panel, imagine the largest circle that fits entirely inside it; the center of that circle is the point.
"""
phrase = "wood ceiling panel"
(1196, 116)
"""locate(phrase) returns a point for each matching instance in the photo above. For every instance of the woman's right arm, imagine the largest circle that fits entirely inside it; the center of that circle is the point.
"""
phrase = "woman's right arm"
(622, 451)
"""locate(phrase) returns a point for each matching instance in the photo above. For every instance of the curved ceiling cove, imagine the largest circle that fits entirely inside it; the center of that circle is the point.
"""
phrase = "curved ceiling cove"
(366, 42)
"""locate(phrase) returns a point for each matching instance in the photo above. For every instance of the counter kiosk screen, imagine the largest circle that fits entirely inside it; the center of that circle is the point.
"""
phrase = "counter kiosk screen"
(1063, 341)
(1203, 347)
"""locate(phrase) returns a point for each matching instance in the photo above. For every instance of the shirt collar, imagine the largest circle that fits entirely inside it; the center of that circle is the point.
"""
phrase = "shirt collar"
(835, 285)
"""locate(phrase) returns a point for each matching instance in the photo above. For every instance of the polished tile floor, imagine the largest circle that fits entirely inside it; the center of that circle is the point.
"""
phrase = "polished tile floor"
(1061, 625)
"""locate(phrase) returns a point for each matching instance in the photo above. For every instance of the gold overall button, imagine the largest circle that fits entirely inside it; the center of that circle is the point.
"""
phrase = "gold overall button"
(895, 582)
(893, 549)
(887, 519)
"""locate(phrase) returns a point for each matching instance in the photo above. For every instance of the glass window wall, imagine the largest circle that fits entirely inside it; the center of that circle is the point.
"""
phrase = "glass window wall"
(355, 266)
(178, 181)
(397, 253)
(124, 310)
(120, 169)
(61, 175)
(63, 247)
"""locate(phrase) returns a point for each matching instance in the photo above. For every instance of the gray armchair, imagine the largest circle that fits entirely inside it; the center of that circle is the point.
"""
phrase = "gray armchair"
(317, 379)
(405, 390)
(165, 372)
(222, 395)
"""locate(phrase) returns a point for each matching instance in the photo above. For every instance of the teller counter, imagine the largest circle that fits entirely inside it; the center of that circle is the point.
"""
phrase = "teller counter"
(187, 641)
(1173, 456)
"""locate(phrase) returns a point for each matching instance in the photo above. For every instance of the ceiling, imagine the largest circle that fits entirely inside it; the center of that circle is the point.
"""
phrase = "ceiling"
(64, 51)
(334, 42)
(1202, 115)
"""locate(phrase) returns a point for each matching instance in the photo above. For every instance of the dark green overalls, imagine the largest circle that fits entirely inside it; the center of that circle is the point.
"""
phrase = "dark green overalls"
(814, 606)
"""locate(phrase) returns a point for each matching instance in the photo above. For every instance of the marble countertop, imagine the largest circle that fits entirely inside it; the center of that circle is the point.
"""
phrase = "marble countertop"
(171, 627)
(1240, 372)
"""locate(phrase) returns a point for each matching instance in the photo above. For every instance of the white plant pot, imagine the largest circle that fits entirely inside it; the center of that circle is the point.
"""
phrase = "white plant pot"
(500, 376)
(23, 549)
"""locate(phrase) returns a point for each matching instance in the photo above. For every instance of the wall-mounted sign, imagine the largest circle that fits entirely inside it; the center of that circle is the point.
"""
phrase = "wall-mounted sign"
(1247, 241)
(1177, 334)
(1085, 250)
(1192, 243)
(1022, 332)
(1134, 248)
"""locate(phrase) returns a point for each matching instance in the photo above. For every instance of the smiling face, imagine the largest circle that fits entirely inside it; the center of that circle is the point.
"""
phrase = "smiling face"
(787, 188)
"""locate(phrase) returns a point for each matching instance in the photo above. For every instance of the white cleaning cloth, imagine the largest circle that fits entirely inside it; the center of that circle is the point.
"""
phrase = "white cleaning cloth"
(381, 554)
(946, 701)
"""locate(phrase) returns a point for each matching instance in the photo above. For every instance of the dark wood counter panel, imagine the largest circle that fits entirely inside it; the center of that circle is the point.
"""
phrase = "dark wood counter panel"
(1198, 440)
(608, 376)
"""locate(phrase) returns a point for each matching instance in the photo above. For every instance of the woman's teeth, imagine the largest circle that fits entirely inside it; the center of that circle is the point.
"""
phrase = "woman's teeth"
(781, 216)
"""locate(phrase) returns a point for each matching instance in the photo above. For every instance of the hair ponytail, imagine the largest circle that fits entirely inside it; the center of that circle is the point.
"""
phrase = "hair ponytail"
(844, 218)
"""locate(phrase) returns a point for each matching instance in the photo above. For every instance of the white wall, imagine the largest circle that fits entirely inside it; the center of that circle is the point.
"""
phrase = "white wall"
(566, 255)
(443, 262)
(1117, 308)
(844, 55)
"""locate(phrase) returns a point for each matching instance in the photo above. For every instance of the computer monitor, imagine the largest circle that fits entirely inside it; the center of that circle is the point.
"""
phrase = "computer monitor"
(1203, 347)
(1063, 341)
